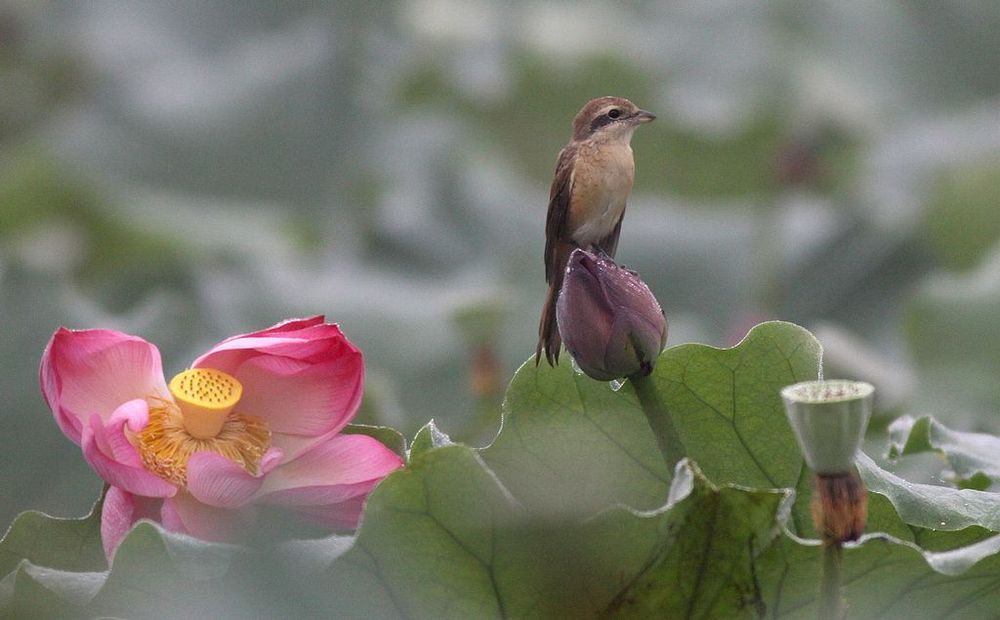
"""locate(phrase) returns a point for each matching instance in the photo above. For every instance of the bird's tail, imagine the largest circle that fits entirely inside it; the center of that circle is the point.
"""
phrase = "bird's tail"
(548, 332)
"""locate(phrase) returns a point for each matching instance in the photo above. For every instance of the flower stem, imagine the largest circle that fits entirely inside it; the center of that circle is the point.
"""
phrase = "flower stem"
(831, 596)
(659, 420)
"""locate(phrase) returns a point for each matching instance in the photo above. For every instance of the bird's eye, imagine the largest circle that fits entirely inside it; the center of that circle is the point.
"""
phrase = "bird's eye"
(614, 113)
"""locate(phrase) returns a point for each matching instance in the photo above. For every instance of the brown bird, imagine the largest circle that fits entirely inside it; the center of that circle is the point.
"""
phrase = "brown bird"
(587, 199)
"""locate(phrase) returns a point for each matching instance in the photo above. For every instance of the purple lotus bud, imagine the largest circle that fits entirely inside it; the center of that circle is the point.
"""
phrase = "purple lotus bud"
(608, 318)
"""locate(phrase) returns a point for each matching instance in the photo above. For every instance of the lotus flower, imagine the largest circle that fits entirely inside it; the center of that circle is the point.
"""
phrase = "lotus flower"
(256, 420)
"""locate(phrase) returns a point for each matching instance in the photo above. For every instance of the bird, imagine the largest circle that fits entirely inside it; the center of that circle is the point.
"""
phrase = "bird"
(592, 182)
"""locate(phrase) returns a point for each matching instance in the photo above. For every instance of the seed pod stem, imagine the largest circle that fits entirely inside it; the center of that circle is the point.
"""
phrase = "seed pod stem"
(659, 420)
(832, 605)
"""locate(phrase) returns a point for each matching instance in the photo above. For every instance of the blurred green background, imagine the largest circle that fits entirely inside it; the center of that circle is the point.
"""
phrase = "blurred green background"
(186, 171)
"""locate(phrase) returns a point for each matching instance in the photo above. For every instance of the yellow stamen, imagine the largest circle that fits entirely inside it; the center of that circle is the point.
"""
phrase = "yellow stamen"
(165, 444)
(205, 397)
(200, 418)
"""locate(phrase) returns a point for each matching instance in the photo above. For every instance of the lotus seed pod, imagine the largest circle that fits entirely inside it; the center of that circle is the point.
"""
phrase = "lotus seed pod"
(829, 419)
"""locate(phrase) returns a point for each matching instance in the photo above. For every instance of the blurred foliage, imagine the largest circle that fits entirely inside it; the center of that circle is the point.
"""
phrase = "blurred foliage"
(190, 173)
(117, 259)
(36, 80)
(962, 221)
(538, 107)
(692, 163)
(952, 328)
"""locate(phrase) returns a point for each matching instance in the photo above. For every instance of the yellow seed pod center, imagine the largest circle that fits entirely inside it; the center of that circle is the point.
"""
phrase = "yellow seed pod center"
(205, 397)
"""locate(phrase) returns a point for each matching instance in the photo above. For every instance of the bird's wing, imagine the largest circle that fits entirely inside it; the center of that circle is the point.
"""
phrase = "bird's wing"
(555, 221)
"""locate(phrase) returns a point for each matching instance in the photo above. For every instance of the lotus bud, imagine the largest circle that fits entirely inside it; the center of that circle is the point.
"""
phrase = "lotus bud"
(608, 318)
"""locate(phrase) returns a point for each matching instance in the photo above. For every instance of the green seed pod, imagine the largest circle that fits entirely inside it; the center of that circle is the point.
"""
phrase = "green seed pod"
(829, 419)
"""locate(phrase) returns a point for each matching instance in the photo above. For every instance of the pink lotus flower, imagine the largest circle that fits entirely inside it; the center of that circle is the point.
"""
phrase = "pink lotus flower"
(256, 420)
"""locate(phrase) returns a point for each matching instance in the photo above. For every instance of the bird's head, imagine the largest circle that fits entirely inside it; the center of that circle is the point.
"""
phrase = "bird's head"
(610, 117)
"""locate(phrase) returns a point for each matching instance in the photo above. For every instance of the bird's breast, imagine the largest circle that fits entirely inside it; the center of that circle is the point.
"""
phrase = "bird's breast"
(602, 181)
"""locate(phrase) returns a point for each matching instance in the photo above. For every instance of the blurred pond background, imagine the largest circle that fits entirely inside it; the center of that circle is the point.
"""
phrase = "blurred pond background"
(185, 171)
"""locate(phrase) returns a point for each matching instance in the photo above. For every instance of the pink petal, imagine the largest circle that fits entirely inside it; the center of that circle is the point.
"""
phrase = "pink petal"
(340, 468)
(340, 516)
(322, 495)
(93, 372)
(307, 339)
(119, 513)
(116, 519)
(134, 415)
(186, 515)
(116, 460)
(293, 446)
(304, 377)
(302, 398)
(288, 325)
(217, 481)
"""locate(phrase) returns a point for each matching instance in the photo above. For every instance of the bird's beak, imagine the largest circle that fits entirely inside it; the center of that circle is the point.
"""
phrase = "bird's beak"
(642, 116)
